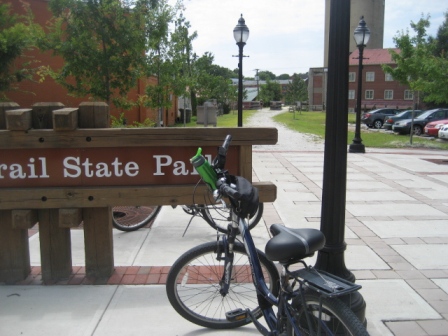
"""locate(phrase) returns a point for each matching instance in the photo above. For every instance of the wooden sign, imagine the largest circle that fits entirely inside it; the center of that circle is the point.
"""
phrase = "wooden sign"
(86, 167)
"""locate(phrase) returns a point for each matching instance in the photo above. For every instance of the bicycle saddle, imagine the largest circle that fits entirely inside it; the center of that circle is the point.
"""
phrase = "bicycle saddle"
(292, 245)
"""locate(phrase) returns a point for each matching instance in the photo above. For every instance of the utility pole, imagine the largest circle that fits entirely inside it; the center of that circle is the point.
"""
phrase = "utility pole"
(258, 86)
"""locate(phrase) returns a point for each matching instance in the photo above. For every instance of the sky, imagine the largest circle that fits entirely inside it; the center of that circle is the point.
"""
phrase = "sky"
(286, 36)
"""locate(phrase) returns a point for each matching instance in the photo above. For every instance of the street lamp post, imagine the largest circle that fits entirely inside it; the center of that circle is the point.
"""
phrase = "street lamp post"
(361, 35)
(241, 34)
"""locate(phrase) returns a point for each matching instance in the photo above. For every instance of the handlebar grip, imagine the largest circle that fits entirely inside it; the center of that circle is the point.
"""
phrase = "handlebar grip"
(227, 142)
(220, 160)
(225, 189)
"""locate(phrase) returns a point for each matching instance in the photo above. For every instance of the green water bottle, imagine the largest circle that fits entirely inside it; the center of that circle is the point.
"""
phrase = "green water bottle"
(204, 169)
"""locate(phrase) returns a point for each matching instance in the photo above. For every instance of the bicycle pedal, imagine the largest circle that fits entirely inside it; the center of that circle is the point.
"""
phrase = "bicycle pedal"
(237, 315)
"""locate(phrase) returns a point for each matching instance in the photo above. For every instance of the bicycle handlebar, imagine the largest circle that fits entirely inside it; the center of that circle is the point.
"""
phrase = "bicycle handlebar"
(212, 174)
(227, 190)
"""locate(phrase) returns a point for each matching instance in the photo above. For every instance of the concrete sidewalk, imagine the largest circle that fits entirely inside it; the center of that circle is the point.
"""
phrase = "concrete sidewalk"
(396, 232)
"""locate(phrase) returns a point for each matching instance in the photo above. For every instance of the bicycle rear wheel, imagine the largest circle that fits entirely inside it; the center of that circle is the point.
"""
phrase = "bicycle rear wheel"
(337, 317)
(131, 218)
(193, 286)
(218, 216)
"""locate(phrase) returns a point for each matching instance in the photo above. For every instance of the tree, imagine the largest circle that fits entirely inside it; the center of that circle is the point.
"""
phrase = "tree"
(297, 90)
(161, 62)
(18, 34)
(417, 64)
(441, 40)
(271, 91)
(103, 45)
(284, 77)
(214, 81)
(266, 75)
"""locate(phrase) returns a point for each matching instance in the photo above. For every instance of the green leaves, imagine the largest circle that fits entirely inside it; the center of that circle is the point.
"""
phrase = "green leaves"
(103, 44)
(421, 62)
(297, 90)
(18, 33)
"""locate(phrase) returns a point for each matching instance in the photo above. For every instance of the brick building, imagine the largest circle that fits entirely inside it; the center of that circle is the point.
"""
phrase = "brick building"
(378, 88)
(29, 92)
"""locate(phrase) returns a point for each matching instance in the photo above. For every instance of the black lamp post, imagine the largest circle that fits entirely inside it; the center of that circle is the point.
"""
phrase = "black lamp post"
(241, 34)
(362, 36)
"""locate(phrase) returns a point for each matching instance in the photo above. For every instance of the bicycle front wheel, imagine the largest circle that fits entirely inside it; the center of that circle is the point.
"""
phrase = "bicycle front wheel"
(131, 218)
(193, 285)
(336, 319)
(218, 216)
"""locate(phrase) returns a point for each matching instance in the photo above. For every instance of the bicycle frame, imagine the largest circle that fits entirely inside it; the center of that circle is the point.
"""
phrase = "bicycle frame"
(266, 299)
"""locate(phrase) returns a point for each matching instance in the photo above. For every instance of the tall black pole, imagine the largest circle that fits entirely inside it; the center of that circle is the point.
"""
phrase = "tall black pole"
(240, 83)
(331, 257)
(357, 146)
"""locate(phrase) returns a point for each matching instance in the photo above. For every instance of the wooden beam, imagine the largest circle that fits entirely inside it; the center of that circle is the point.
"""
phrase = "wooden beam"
(136, 137)
(45, 198)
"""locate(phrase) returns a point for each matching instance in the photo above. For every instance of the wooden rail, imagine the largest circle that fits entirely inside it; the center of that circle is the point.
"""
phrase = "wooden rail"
(33, 142)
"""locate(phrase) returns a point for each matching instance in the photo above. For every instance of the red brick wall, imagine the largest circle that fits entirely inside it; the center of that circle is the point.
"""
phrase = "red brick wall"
(379, 85)
(29, 92)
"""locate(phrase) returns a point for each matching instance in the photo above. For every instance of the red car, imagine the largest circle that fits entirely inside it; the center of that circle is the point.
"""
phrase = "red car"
(432, 128)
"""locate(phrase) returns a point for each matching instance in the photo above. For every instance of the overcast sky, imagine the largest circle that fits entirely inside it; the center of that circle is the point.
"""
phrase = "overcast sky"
(286, 36)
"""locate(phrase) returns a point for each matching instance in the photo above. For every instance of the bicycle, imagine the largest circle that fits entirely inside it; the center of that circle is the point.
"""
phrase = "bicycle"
(132, 218)
(218, 216)
(229, 283)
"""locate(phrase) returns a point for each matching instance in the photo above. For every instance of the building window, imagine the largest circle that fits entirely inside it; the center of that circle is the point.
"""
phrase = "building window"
(388, 77)
(369, 94)
(370, 76)
(408, 95)
(388, 94)
(351, 76)
(351, 94)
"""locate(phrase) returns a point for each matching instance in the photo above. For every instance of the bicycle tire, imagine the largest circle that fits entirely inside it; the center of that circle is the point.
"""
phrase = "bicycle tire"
(201, 303)
(219, 217)
(132, 218)
(337, 317)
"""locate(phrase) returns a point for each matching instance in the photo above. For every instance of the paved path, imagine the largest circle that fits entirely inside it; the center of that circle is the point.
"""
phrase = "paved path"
(287, 140)
(396, 232)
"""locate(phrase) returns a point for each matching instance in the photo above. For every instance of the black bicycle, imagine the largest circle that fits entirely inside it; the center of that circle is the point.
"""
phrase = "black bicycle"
(229, 283)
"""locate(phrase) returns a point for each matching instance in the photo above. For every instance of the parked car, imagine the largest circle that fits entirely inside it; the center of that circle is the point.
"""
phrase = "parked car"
(375, 118)
(404, 126)
(432, 128)
(443, 132)
(390, 120)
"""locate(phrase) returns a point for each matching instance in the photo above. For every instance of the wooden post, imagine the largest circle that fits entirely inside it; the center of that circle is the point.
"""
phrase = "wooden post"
(18, 120)
(6, 106)
(94, 115)
(65, 119)
(97, 221)
(55, 246)
(14, 245)
(55, 243)
(98, 242)
(43, 114)
(14, 250)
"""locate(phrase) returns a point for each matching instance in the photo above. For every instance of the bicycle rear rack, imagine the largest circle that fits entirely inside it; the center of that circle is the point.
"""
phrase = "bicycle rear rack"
(327, 284)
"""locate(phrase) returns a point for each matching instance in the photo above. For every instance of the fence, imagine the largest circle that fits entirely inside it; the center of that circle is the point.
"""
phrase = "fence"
(62, 166)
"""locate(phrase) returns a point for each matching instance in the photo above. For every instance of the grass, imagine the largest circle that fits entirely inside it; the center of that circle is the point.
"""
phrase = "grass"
(226, 120)
(314, 123)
